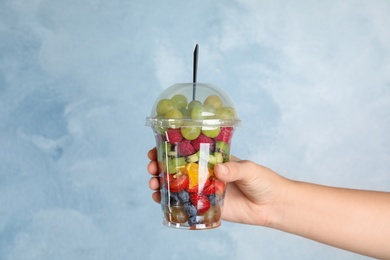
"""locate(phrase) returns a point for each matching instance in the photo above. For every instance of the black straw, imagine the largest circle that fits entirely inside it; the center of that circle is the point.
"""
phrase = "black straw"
(195, 71)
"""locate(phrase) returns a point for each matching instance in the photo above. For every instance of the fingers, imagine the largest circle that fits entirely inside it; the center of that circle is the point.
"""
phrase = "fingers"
(153, 168)
(156, 196)
(152, 154)
(236, 171)
(154, 183)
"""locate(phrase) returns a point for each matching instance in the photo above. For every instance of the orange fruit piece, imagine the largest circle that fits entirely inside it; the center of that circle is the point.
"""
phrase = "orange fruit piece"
(211, 172)
(192, 171)
(197, 174)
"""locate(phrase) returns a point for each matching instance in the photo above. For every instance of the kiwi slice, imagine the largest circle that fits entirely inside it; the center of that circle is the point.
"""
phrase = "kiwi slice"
(218, 157)
(212, 159)
(192, 158)
(224, 149)
(174, 163)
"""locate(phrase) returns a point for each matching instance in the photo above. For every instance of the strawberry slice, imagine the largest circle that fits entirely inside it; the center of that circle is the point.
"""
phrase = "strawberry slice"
(196, 188)
(193, 189)
(165, 178)
(201, 202)
(209, 190)
(179, 184)
(220, 187)
(169, 177)
(216, 186)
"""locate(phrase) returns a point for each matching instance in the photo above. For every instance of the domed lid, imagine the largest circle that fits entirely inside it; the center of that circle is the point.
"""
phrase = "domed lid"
(197, 104)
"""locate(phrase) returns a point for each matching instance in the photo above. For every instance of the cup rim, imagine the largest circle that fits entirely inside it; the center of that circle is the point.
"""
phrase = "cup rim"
(157, 122)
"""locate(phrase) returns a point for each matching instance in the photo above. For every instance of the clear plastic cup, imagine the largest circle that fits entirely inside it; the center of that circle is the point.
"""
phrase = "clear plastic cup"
(193, 125)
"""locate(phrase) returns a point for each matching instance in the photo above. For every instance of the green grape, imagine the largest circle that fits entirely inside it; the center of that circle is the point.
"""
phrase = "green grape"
(212, 215)
(180, 100)
(164, 106)
(185, 112)
(193, 104)
(213, 100)
(226, 113)
(176, 214)
(190, 132)
(174, 114)
(203, 112)
(211, 131)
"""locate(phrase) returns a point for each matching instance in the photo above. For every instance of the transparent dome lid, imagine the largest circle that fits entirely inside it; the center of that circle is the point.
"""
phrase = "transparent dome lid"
(188, 104)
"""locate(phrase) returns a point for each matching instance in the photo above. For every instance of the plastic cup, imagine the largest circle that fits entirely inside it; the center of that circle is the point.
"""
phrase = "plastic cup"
(193, 125)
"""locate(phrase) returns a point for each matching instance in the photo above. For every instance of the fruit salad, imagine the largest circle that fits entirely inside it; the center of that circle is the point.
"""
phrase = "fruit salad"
(192, 197)
(193, 133)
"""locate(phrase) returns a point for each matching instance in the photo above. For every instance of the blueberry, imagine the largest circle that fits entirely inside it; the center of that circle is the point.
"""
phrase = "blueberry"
(214, 199)
(174, 199)
(192, 220)
(184, 196)
(190, 209)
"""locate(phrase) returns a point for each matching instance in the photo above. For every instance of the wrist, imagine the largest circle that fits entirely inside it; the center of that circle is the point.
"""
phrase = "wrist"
(282, 203)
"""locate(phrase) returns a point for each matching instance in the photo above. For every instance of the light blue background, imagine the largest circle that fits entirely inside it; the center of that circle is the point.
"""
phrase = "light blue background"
(311, 81)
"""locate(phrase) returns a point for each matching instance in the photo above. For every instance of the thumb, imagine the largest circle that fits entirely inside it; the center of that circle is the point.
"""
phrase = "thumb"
(235, 171)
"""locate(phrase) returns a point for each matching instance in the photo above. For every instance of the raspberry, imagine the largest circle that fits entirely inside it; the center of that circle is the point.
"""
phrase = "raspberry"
(225, 135)
(174, 136)
(185, 148)
(202, 139)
